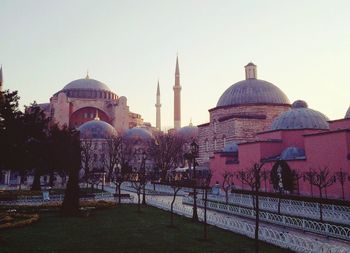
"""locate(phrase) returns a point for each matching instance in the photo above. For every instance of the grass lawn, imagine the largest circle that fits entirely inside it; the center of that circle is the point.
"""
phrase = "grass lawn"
(120, 230)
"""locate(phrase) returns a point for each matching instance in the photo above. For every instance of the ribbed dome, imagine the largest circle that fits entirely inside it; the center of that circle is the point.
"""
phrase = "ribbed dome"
(300, 117)
(86, 84)
(252, 91)
(230, 147)
(292, 153)
(188, 132)
(138, 133)
(96, 129)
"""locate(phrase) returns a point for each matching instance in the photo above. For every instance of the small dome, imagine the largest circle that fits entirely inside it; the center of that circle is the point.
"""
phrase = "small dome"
(300, 117)
(86, 84)
(188, 132)
(96, 129)
(138, 133)
(230, 147)
(300, 104)
(293, 153)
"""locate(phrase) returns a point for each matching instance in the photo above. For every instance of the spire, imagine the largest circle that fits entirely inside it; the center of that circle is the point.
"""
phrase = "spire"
(87, 74)
(158, 90)
(191, 122)
(177, 70)
(158, 106)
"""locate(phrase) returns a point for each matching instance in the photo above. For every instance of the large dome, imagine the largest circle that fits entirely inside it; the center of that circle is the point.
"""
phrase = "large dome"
(252, 91)
(300, 117)
(96, 129)
(88, 88)
(86, 84)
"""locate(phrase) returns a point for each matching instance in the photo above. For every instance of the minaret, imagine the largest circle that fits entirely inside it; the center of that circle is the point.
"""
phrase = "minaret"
(177, 97)
(158, 105)
(1, 80)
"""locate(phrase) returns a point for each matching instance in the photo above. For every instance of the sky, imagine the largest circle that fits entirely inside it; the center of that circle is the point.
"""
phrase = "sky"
(303, 47)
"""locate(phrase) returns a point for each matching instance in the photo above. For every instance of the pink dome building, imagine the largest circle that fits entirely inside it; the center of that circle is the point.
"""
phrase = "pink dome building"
(304, 139)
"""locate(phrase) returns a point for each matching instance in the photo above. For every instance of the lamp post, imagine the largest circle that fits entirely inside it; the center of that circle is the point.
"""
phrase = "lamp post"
(192, 155)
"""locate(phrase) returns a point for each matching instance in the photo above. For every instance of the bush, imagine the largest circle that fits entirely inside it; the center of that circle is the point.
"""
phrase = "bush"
(19, 220)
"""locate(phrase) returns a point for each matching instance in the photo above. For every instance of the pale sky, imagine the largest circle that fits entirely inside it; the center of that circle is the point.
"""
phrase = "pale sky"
(303, 47)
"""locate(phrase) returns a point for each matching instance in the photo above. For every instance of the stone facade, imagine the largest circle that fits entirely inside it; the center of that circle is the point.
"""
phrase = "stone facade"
(235, 123)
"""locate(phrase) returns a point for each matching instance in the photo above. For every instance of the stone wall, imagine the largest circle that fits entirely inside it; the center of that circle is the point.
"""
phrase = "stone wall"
(235, 123)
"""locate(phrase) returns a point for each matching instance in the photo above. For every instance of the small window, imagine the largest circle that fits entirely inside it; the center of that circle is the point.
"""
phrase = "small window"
(206, 145)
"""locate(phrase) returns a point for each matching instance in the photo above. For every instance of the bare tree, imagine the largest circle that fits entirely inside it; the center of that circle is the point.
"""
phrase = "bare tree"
(167, 152)
(341, 177)
(322, 179)
(265, 176)
(87, 157)
(227, 183)
(112, 155)
(297, 175)
(252, 178)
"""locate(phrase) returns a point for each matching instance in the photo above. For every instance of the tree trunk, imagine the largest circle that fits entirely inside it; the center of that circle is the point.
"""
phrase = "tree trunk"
(257, 209)
(70, 205)
(120, 192)
(342, 190)
(139, 200)
(226, 197)
(320, 205)
(144, 194)
(195, 214)
(205, 215)
(36, 182)
(279, 204)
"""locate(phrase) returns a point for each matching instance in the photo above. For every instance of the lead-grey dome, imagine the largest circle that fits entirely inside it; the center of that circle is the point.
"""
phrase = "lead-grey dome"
(96, 129)
(86, 84)
(188, 132)
(292, 153)
(252, 91)
(300, 117)
(138, 133)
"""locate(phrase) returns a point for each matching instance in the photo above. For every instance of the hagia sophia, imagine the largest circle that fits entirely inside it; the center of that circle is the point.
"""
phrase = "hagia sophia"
(253, 121)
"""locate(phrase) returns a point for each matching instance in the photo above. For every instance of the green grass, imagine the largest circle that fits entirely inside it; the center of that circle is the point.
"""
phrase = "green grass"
(120, 230)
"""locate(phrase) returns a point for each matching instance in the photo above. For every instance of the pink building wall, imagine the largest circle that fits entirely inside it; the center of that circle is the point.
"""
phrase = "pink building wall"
(322, 148)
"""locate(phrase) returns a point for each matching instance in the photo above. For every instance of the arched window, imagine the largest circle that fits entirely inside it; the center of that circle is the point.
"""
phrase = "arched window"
(224, 140)
(215, 144)
(206, 145)
(215, 125)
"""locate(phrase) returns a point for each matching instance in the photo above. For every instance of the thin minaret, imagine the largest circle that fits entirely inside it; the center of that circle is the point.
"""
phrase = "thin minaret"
(177, 97)
(158, 105)
(1, 80)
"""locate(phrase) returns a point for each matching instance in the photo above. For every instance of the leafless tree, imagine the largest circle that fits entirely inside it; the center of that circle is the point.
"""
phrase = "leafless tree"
(252, 178)
(297, 175)
(322, 179)
(87, 156)
(227, 183)
(166, 151)
(341, 177)
(112, 155)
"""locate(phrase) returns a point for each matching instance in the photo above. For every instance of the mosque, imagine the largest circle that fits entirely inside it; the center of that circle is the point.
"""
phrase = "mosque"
(254, 122)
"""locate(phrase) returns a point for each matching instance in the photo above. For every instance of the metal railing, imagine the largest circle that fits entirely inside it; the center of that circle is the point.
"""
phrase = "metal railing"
(332, 213)
(290, 240)
(287, 221)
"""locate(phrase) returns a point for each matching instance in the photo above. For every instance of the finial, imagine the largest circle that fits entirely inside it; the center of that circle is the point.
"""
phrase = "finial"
(97, 117)
(87, 74)
(191, 122)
